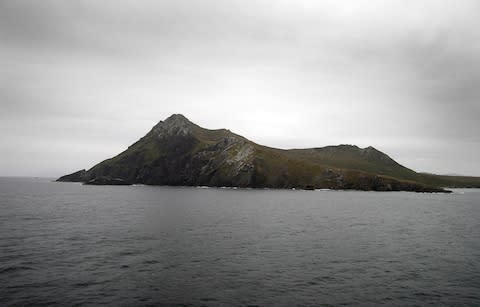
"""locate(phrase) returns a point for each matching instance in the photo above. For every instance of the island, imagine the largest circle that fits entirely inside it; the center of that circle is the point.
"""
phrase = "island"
(177, 152)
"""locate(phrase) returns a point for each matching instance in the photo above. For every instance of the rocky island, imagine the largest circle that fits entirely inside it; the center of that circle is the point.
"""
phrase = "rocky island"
(178, 152)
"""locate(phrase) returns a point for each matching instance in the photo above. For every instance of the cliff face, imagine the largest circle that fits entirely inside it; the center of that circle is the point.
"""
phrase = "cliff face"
(178, 152)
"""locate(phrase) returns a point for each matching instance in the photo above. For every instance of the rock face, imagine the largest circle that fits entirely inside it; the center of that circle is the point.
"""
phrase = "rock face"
(178, 152)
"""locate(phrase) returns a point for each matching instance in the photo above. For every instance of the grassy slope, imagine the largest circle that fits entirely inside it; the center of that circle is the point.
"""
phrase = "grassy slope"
(373, 161)
(367, 160)
(450, 181)
(305, 169)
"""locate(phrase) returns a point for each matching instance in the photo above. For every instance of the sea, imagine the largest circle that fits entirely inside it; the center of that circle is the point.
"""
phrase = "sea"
(67, 244)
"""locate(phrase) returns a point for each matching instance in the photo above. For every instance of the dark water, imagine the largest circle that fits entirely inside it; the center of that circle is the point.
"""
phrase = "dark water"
(67, 244)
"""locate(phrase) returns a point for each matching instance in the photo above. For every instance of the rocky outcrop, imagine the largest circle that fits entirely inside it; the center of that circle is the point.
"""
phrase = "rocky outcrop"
(79, 176)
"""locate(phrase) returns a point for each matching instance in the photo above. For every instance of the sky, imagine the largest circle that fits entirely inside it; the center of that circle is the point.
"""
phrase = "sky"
(82, 80)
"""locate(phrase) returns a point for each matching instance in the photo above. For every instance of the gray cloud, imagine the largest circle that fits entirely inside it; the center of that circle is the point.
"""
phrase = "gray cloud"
(87, 78)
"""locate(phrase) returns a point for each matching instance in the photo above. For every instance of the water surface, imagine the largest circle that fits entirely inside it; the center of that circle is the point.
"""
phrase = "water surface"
(65, 244)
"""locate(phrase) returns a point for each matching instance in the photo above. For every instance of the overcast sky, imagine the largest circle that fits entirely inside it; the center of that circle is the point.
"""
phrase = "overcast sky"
(82, 80)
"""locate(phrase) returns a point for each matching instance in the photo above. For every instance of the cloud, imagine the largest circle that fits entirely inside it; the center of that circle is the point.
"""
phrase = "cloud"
(393, 74)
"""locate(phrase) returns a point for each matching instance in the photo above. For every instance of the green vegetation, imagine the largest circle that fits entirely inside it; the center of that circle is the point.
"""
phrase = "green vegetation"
(178, 152)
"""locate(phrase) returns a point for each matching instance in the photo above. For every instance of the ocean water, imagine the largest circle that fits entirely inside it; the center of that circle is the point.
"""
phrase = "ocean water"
(69, 244)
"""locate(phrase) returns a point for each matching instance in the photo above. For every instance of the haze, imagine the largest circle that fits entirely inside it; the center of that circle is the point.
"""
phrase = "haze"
(82, 80)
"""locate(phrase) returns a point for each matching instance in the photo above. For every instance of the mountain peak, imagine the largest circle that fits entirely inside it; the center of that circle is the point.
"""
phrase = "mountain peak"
(176, 124)
(177, 118)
